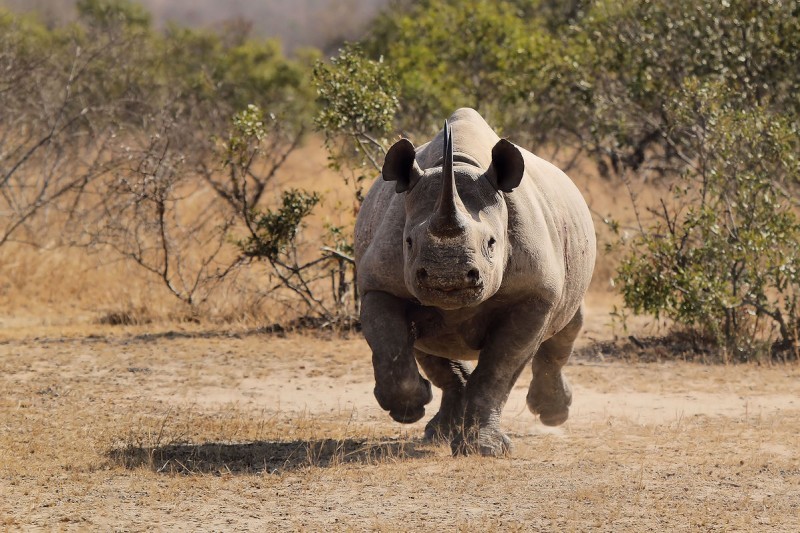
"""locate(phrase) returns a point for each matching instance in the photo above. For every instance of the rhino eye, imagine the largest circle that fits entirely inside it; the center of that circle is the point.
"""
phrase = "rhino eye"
(409, 242)
(491, 242)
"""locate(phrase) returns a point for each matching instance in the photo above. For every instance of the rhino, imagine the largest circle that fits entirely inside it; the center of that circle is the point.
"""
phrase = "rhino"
(471, 249)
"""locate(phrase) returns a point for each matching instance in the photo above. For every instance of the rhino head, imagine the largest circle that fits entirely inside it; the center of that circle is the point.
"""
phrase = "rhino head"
(455, 235)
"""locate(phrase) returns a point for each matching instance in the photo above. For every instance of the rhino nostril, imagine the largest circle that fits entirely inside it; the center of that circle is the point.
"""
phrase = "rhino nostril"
(473, 276)
(422, 274)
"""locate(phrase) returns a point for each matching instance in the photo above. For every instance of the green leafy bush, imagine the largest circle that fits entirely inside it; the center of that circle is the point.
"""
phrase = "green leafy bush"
(357, 100)
(494, 56)
(356, 94)
(723, 256)
(275, 230)
(634, 56)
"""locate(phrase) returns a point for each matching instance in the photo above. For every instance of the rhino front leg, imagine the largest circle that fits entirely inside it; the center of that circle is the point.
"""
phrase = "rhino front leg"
(487, 392)
(549, 394)
(399, 388)
(450, 376)
(499, 365)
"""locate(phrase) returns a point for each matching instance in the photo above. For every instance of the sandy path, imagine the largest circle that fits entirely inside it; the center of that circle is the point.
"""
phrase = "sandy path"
(283, 434)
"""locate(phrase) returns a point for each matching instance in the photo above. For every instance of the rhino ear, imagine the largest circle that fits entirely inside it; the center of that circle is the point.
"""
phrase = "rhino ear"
(400, 165)
(507, 167)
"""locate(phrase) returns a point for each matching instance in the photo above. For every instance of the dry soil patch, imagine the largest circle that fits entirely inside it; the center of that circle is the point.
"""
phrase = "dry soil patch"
(253, 432)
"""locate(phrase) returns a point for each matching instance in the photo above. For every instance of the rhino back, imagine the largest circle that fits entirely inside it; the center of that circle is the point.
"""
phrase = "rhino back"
(473, 140)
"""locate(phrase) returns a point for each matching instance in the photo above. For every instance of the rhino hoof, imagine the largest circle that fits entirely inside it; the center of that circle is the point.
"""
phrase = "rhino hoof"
(550, 400)
(435, 435)
(405, 404)
(407, 416)
(488, 444)
(443, 426)
(554, 418)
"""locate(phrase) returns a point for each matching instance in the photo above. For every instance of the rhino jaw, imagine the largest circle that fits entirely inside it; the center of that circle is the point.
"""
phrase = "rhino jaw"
(450, 299)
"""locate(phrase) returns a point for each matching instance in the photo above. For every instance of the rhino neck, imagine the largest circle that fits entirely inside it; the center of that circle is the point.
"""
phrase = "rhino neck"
(461, 158)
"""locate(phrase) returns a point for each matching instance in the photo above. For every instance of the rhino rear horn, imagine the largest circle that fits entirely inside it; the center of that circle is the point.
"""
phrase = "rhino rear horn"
(507, 168)
(400, 165)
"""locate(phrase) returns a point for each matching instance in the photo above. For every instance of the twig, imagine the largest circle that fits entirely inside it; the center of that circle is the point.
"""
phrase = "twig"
(340, 255)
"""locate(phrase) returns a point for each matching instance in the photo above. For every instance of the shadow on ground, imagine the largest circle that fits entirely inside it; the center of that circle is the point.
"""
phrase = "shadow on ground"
(265, 456)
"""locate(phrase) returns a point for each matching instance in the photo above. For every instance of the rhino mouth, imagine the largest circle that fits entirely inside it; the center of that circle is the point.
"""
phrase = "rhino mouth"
(450, 289)
(450, 297)
(459, 290)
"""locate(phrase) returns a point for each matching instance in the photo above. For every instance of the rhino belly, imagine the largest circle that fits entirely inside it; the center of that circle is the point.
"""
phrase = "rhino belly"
(450, 346)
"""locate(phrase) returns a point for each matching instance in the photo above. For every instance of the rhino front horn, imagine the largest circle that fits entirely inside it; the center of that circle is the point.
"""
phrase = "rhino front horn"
(447, 219)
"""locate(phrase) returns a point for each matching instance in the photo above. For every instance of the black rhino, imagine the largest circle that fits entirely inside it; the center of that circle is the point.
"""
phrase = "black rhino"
(471, 248)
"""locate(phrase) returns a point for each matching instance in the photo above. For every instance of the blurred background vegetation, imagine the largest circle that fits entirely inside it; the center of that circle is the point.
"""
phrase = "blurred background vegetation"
(151, 135)
(322, 24)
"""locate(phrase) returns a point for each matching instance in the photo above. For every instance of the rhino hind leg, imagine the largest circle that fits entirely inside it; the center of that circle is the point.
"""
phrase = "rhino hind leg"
(450, 376)
(549, 394)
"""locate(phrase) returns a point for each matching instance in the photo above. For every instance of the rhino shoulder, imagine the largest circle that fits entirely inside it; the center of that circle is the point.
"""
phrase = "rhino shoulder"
(551, 234)
(379, 240)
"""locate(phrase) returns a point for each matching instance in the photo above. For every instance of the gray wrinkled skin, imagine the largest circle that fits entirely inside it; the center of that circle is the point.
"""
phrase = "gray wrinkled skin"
(494, 272)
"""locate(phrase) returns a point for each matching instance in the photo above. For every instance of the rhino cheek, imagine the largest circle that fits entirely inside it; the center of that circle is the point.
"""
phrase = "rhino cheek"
(410, 281)
(492, 279)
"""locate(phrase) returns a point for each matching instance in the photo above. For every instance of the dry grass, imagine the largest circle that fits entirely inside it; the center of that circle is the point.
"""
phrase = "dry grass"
(250, 432)
(62, 286)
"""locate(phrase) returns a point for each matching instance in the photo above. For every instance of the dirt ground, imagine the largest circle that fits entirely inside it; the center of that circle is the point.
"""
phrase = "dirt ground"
(179, 428)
